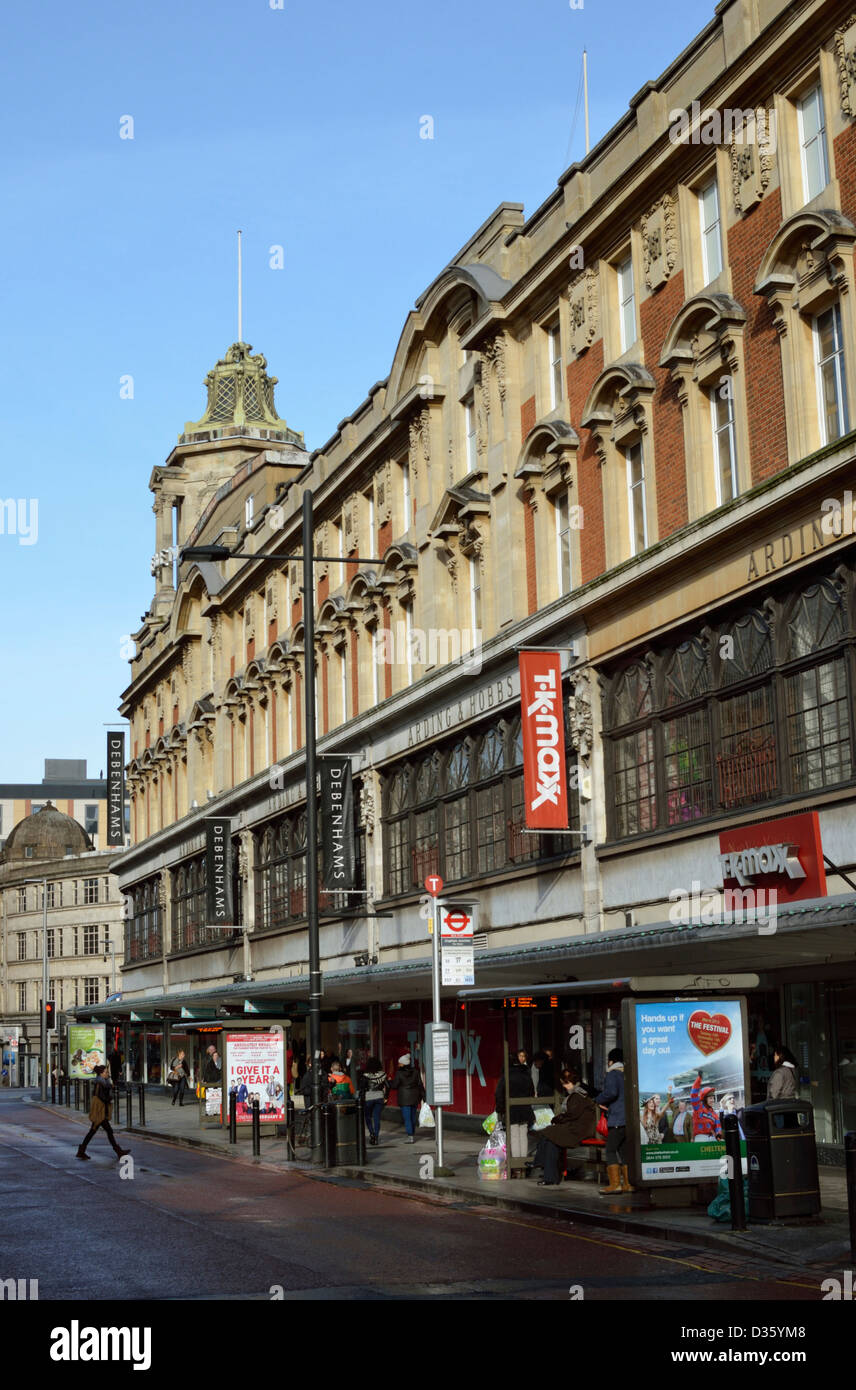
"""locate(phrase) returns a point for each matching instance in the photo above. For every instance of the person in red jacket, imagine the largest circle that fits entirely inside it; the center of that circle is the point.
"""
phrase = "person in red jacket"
(705, 1120)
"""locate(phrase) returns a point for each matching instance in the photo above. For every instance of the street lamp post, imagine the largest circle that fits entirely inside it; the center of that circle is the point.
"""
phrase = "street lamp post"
(44, 1058)
(221, 552)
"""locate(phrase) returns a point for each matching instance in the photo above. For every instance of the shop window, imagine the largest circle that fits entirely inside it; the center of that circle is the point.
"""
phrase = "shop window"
(460, 812)
(752, 711)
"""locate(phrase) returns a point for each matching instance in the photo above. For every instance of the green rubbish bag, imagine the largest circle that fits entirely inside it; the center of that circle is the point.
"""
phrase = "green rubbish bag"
(720, 1208)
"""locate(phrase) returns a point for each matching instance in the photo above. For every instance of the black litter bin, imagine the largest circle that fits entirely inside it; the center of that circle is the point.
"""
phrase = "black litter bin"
(782, 1154)
(343, 1133)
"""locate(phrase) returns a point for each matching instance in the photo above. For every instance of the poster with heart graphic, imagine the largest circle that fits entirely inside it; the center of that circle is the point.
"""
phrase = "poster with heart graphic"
(689, 1067)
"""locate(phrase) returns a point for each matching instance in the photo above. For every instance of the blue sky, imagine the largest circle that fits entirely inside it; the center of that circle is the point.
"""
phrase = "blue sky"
(301, 126)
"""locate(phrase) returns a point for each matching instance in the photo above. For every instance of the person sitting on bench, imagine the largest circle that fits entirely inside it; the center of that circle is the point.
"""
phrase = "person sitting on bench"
(576, 1121)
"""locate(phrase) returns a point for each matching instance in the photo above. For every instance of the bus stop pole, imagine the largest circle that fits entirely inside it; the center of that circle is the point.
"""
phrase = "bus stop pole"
(435, 995)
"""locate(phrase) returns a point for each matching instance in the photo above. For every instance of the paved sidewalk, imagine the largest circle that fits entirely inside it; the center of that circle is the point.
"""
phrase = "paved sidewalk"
(821, 1243)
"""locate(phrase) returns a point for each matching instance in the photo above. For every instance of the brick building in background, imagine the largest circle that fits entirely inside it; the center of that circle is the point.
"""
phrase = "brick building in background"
(621, 427)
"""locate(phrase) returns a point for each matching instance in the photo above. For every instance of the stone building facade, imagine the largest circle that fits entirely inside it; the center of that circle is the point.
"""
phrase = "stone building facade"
(84, 928)
(620, 427)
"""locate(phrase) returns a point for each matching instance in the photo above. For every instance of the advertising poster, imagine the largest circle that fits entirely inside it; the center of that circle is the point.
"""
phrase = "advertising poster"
(689, 1065)
(255, 1069)
(87, 1049)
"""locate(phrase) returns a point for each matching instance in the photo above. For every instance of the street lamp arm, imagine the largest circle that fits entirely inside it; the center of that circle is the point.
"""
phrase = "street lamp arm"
(221, 552)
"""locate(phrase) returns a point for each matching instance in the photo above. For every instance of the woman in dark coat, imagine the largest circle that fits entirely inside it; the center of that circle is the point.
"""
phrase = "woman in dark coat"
(99, 1113)
(576, 1121)
(784, 1079)
(408, 1084)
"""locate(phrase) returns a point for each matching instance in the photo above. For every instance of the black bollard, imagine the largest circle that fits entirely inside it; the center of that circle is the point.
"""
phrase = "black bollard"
(360, 1106)
(289, 1129)
(77, 1095)
(731, 1135)
(53, 1089)
(850, 1171)
(257, 1130)
(68, 1092)
(128, 1111)
(233, 1116)
(142, 1105)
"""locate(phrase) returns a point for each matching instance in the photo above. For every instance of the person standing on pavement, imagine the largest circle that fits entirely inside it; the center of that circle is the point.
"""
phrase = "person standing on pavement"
(520, 1086)
(783, 1083)
(99, 1113)
(408, 1084)
(611, 1099)
(374, 1086)
(211, 1069)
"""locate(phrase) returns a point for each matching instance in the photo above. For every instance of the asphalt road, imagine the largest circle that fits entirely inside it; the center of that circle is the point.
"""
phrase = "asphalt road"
(185, 1225)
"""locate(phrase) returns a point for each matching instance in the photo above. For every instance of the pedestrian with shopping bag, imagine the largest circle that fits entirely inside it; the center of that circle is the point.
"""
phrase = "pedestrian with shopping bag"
(99, 1113)
(375, 1089)
(408, 1084)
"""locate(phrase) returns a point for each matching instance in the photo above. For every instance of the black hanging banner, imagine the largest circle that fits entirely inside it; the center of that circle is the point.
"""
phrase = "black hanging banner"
(115, 789)
(337, 823)
(218, 867)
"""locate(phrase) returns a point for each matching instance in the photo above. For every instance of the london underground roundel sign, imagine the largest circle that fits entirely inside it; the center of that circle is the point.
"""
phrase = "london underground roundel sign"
(457, 922)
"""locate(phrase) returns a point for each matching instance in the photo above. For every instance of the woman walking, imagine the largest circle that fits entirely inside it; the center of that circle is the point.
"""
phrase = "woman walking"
(373, 1084)
(179, 1076)
(99, 1113)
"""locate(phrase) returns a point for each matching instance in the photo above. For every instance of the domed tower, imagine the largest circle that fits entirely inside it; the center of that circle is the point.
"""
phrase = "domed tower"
(238, 432)
(46, 834)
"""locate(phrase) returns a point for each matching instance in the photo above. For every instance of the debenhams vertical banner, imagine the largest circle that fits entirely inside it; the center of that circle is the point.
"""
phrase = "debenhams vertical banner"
(337, 823)
(115, 789)
(544, 780)
(218, 870)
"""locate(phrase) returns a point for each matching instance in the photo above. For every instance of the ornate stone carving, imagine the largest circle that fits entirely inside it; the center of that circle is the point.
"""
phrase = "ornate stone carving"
(845, 56)
(579, 709)
(420, 442)
(582, 296)
(349, 523)
(368, 810)
(751, 161)
(659, 242)
(383, 494)
(494, 364)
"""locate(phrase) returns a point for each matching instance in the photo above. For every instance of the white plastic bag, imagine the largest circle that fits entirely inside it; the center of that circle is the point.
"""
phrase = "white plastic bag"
(492, 1157)
(426, 1118)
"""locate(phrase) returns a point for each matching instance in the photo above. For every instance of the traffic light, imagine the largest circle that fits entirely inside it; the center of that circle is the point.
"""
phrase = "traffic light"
(50, 1015)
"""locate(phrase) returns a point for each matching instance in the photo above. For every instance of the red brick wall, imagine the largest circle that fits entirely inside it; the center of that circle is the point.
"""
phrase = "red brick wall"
(582, 375)
(531, 561)
(271, 632)
(845, 168)
(527, 417)
(296, 611)
(748, 239)
(384, 538)
(324, 587)
(656, 315)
